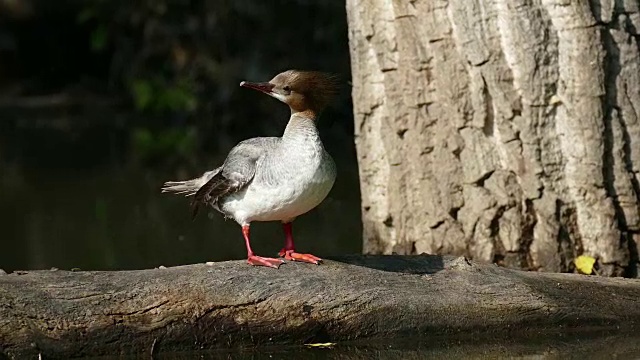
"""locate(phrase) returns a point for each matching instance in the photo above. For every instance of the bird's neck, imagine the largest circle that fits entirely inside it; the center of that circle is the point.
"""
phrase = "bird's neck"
(301, 125)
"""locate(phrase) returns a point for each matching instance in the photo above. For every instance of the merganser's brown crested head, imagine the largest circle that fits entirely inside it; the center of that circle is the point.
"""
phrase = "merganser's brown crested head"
(303, 91)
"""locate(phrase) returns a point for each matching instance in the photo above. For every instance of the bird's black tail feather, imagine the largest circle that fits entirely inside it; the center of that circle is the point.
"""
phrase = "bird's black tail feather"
(210, 192)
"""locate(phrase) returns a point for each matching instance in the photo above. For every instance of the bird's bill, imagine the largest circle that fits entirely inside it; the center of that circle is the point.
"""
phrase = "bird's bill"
(264, 87)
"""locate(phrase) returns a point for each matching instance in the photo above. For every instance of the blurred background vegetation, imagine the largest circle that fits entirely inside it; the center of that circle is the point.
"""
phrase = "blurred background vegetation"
(101, 101)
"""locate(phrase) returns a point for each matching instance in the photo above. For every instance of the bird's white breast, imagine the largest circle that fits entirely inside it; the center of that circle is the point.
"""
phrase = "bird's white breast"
(284, 187)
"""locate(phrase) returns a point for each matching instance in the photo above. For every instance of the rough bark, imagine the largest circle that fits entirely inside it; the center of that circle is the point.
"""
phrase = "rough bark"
(230, 304)
(504, 130)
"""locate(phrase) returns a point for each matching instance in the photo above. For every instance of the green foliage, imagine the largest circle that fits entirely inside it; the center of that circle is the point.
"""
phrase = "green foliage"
(99, 38)
(158, 96)
(148, 145)
(176, 98)
(142, 92)
(86, 14)
(186, 58)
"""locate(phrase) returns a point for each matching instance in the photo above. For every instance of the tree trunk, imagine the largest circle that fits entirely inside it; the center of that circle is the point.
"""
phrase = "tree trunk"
(66, 314)
(504, 130)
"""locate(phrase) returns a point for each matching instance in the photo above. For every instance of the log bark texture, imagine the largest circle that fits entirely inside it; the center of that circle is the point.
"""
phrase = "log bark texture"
(504, 130)
(65, 314)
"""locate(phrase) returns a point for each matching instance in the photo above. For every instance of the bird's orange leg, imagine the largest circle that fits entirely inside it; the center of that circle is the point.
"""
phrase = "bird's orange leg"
(289, 252)
(253, 259)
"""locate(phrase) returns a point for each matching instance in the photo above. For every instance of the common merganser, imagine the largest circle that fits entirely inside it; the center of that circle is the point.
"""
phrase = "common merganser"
(273, 178)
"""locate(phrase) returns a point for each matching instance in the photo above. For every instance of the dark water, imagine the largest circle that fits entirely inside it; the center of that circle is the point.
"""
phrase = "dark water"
(78, 201)
(579, 346)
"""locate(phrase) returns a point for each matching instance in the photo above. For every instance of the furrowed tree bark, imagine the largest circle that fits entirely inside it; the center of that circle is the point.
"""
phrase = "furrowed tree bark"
(504, 130)
(230, 304)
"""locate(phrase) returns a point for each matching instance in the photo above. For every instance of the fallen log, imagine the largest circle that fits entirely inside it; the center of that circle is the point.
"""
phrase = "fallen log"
(230, 304)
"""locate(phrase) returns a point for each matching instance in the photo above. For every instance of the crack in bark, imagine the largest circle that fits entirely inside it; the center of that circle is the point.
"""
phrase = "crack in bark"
(568, 236)
(213, 308)
(530, 220)
(610, 107)
(480, 182)
(489, 118)
(83, 297)
(140, 311)
(613, 112)
(626, 148)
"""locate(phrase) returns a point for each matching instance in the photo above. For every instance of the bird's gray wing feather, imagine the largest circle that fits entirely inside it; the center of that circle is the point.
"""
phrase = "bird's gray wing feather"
(237, 172)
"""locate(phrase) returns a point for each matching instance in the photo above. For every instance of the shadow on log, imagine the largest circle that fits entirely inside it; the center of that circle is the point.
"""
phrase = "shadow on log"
(231, 304)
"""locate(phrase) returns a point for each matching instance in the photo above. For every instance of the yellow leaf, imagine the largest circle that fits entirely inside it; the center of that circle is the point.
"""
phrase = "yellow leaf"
(321, 345)
(584, 264)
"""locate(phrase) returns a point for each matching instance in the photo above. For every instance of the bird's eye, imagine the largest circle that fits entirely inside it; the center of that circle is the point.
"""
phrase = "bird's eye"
(286, 88)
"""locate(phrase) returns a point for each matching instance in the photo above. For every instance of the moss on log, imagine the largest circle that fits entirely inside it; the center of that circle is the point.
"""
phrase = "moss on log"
(231, 304)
